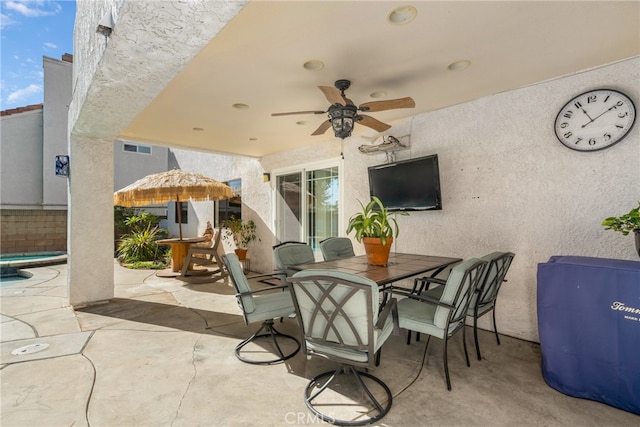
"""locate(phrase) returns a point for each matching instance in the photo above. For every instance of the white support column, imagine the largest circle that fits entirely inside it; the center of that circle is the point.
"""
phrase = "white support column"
(90, 221)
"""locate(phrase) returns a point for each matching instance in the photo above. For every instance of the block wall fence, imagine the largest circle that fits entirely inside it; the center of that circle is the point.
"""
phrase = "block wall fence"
(26, 231)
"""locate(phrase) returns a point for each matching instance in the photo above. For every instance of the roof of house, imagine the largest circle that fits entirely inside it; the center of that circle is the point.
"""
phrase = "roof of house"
(21, 109)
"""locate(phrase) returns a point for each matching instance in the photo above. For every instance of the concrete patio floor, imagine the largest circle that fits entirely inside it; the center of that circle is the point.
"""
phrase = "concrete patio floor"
(161, 353)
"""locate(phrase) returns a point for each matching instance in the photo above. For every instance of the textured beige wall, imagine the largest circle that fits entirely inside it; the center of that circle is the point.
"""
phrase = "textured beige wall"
(508, 184)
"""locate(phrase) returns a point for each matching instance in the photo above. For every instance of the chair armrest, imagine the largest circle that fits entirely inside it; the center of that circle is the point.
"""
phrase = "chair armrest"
(431, 280)
(420, 297)
(389, 307)
(256, 291)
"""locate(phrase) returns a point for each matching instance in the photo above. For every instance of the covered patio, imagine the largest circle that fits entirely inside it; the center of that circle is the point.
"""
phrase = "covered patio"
(161, 353)
(204, 76)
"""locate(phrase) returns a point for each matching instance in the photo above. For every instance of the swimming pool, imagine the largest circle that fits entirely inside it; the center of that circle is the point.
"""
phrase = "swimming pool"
(32, 259)
(11, 275)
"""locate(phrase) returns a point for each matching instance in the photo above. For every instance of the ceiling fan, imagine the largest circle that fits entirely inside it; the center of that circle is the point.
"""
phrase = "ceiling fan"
(343, 113)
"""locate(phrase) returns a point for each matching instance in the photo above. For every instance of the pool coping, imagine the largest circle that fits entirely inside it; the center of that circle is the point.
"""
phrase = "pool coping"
(57, 258)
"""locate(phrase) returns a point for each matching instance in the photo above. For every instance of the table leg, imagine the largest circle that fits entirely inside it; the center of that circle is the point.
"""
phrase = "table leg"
(178, 254)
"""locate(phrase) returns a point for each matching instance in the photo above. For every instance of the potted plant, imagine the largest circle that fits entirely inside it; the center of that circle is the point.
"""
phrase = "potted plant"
(242, 233)
(625, 224)
(375, 227)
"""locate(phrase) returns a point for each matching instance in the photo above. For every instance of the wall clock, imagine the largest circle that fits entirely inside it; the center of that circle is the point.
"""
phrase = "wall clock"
(595, 120)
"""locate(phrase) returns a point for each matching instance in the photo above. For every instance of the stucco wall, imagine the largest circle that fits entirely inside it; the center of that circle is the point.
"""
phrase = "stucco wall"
(130, 167)
(21, 160)
(508, 184)
(57, 97)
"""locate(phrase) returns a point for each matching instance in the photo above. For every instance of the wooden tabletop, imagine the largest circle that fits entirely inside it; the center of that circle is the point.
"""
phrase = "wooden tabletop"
(401, 266)
(187, 240)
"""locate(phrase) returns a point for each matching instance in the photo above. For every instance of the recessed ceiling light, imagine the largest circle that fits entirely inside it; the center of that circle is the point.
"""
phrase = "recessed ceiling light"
(313, 65)
(301, 122)
(198, 129)
(459, 65)
(378, 94)
(241, 106)
(402, 15)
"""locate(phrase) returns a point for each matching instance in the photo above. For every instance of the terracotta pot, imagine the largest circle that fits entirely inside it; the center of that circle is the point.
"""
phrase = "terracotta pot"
(242, 253)
(376, 253)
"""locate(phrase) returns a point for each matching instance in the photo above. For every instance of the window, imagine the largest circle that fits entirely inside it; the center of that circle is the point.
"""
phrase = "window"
(233, 206)
(136, 148)
(307, 205)
(182, 212)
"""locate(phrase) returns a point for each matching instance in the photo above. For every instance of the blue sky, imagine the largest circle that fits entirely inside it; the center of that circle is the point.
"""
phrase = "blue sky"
(29, 30)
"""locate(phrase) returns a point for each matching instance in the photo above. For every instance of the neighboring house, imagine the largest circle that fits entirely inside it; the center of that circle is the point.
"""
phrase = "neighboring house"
(33, 200)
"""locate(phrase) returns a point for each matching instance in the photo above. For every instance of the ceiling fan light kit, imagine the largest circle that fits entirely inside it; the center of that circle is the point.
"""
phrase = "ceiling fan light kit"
(343, 113)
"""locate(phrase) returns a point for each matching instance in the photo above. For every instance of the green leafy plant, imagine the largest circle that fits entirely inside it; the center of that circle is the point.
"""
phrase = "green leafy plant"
(624, 224)
(139, 243)
(242, 232)
(374, 220)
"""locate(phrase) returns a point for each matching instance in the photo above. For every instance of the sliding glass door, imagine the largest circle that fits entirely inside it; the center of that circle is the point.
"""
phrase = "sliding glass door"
(307, 205)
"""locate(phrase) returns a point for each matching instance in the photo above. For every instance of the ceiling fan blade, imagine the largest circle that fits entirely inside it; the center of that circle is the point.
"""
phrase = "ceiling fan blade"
(322, 128)
(369, 121)
(298, 112)
(390, 104)
(333, 95)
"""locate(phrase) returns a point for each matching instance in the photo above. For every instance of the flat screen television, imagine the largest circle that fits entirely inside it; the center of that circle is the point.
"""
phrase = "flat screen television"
(409, 185)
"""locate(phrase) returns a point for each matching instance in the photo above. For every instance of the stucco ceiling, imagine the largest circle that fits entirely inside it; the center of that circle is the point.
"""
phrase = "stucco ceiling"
(257, 60)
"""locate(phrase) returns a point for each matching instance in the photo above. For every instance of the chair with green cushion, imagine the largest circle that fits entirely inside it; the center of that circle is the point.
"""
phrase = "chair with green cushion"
(336, 248)
(484, 299)
(288, 254)
(442, 317)
(340, 321)
(262, 305)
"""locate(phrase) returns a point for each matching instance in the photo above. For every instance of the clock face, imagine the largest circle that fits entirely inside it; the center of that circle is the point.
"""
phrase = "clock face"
(595, 120)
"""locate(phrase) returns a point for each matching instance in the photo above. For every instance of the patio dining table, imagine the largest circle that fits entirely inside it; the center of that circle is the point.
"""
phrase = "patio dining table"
(401, 266)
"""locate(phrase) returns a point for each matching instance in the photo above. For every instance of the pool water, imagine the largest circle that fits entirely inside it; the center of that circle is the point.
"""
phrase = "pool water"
(21, 257)
(10, 276)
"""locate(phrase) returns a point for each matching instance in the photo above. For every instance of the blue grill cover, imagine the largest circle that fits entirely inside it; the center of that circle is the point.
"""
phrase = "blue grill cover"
(589, 326)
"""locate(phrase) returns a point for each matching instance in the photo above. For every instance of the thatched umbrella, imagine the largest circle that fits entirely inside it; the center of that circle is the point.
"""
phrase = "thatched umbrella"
(174, 185)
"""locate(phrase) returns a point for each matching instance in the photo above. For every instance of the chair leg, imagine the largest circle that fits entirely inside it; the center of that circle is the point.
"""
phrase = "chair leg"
(475, 336)
(446, 364)
(464, 344)
(495, 325)
(380, 407)
(269, 332)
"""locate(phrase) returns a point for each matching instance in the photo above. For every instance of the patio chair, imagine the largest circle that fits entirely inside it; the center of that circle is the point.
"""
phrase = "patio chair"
(206, 256)
(262, 305)
(484, 299)
(442, 317)
(339, 320)
(288, 254)
(336, 248)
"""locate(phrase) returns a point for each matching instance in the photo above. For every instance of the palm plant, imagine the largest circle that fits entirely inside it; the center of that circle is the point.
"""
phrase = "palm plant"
(374, 220)
(139, 244)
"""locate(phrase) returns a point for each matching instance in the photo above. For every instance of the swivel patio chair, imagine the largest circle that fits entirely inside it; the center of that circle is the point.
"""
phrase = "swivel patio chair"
(339, 320)
(484, 299)
(288, 254)
(336, 248)
(262, 305)
(206, 256)
(444, 316)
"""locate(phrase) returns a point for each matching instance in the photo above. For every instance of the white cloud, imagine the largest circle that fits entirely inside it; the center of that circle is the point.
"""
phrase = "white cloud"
(32, 9)
(50, 45)
(20, 94)
(5, 21)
